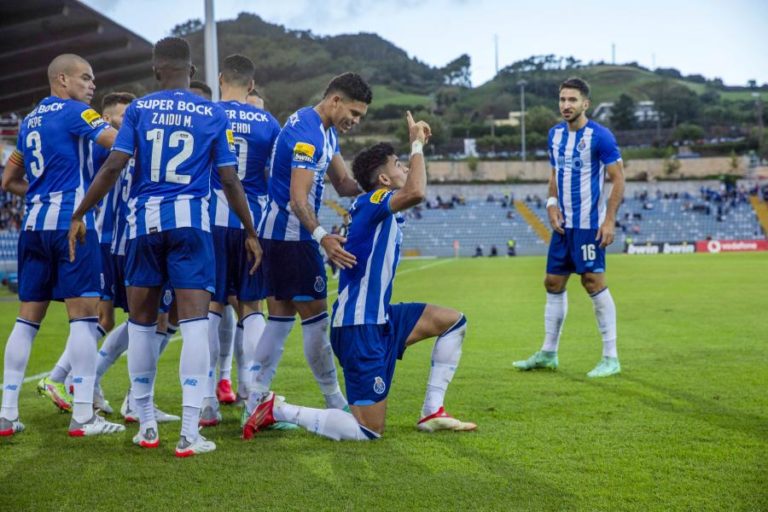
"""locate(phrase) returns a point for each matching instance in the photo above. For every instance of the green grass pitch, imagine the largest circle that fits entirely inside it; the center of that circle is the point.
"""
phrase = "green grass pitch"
(684, 427)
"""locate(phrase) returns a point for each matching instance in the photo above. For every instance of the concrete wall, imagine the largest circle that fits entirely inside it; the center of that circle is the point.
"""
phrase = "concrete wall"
(539, 170)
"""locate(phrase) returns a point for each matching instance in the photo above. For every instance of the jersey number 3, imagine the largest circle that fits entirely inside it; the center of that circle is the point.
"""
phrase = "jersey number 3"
(36, 144)
(187, 142)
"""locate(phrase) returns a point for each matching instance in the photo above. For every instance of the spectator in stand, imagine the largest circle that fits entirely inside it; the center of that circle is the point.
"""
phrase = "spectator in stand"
(494, 252)
(478, 251)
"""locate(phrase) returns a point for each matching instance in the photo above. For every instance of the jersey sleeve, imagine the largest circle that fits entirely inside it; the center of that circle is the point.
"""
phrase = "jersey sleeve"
(224, 144)
(126, 137)
(305, 150)
(83, 121)
(608, 149)
(377, 205)
(550, 151)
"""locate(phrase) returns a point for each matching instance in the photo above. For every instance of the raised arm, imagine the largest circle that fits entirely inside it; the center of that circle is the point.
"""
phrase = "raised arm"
(606, 232)
(415, 188)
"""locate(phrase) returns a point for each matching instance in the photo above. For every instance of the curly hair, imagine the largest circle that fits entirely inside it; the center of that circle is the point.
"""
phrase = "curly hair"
(171, 52)
(370, 160)
(352, 86)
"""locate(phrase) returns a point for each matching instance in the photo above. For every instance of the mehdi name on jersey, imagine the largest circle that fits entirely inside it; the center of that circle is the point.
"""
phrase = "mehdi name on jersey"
(242, 115)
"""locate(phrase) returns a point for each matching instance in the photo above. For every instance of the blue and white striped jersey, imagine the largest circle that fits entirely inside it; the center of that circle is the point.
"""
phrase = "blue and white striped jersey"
(579, 159)
(123, 193)
(105, 217)
(255, 131)
(54, 141)
(177, 138)
(302, 143)
(374, 238)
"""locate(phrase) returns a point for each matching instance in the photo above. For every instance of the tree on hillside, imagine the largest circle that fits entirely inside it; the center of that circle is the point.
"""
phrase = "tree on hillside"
(623, 113)
(439, 131)
(458, 72)
(688, 132)
(676, 103)
(539, 120)
(186, 28)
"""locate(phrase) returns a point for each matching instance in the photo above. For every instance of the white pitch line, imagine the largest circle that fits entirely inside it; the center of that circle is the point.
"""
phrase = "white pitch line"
(177, 336)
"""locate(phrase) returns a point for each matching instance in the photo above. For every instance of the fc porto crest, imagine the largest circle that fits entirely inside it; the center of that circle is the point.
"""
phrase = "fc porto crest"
(582, 145)
(167, 298)
(379, 386)
(319, 284)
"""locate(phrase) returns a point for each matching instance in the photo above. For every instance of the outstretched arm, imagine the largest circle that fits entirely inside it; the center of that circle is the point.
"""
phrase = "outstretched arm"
(415, 188)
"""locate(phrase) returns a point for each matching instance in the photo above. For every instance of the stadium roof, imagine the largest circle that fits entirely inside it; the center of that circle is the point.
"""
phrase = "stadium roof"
(33, 32)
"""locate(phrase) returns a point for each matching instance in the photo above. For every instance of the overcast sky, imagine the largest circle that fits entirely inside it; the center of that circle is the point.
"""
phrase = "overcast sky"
(715, 38)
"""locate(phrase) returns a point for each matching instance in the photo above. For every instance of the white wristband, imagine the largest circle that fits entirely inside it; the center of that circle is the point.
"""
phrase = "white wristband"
(552, 201)
(319, 233)
(417, 148)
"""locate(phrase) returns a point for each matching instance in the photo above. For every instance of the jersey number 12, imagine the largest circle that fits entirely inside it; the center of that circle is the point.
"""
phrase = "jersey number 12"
(187, 142)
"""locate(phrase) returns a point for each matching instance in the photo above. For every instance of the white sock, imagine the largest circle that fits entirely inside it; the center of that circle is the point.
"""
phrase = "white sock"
(143, 351)
(445, 358)
(84, 334)
(242, 365)
(317, 349)
(115, 344)
(605, 313)
(226, 340)
(62, 368)
(331, 423)
(17, 351)
(253, 327)
(554, 318)
(214, 319)
(193, 372)
(266, 357)
(170, 332)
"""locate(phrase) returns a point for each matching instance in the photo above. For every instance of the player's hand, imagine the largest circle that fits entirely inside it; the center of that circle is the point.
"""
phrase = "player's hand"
(420, 131)
(606, 233)
(336, 253)
(76, 234)
(254, 251)
(556, 218)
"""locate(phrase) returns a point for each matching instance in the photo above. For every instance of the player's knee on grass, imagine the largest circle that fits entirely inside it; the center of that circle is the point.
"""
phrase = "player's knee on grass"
(592, 282)
(554, 283)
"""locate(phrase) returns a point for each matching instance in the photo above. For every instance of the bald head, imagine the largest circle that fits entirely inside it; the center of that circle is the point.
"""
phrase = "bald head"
(71, 76)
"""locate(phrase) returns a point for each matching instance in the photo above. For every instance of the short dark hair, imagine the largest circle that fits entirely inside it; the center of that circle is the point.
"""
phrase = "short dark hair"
(370, 160)
(197, 84)
(116, 98)
(237, 70)
(171, 52)
(577, 83)
(352, 86)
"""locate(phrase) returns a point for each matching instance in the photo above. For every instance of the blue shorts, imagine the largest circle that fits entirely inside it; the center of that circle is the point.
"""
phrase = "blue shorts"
(293, 270)
(180, 257)
(107, 272)
(367, 353)
(119, 297)
(575, 252)
(45, 272)
(232, 267)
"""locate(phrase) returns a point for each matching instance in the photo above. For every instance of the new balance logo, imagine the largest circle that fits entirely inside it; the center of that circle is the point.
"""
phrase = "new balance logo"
(141, 380)
(77, 380)
(190, 382)
(11, 387)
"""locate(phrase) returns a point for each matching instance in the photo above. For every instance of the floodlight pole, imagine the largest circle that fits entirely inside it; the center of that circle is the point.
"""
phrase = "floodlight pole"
(211, 51)
(522, 83)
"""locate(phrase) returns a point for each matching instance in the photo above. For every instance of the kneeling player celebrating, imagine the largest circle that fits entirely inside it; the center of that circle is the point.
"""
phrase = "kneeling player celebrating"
(367, 333)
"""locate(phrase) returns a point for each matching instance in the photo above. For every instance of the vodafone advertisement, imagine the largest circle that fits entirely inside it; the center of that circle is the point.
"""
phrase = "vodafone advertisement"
(715, 246)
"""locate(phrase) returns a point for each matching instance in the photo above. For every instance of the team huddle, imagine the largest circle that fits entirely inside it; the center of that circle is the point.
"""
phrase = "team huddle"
(172, 208)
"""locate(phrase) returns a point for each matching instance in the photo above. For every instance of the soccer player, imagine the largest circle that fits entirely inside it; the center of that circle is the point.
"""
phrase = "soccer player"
(177, 137)
(581, 152)
(201, 89)
(255, 132)
(305, 150)
(113, 108)
(368, 333)
(50, 152)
